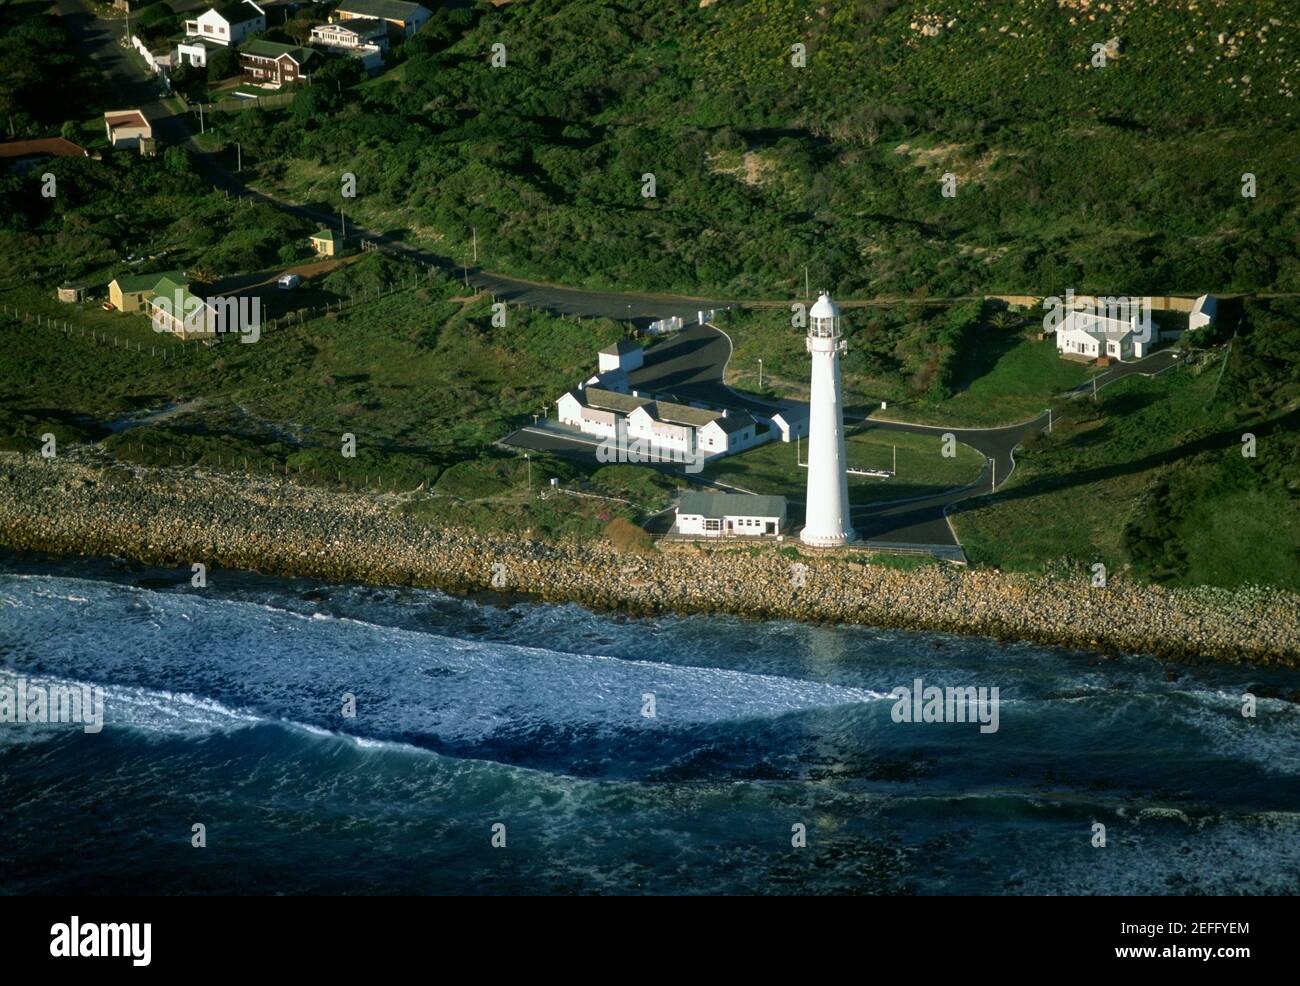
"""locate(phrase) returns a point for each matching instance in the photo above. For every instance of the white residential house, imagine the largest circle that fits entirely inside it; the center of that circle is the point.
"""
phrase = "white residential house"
(622, 355)
(729, 515)
(127, 128)
(1094, 336)
(789, 423)
(363, 38)
(1204, 312)
(228, 25)
(355, 33)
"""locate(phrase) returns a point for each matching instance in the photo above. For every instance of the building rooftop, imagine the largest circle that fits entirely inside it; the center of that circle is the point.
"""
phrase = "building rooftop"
(324, 234)
(611, 400)
(719, 505)
(237, 13)
(364, 26)
(260, 48)
(385, 9)
(620, 348)
(1100, 327)
(131, 283)
(52, 146)
(735, 421)
(125, 118)
(171, 291)
(682, 414)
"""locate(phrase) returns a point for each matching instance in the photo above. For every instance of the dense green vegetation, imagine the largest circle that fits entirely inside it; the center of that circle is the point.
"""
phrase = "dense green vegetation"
(1124, 178)
(44, 82)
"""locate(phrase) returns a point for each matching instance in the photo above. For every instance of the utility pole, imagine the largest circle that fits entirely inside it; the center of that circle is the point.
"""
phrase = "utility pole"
(239, 151)
(994, 463)
(343, 222)
(805, 282)
(529, 460)
(895, 460)
(202, 130)
(474, 236)
(1049, 420)
(760, 374)
(1094, 388)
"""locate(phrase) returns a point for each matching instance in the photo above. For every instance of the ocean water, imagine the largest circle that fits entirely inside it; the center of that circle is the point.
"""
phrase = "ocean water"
(223, 706)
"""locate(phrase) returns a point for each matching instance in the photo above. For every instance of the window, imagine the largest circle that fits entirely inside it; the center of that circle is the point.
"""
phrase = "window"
(713, 525)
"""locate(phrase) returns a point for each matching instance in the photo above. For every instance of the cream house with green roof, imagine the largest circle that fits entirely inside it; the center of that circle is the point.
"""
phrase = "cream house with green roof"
(174, 308)
(131, 292)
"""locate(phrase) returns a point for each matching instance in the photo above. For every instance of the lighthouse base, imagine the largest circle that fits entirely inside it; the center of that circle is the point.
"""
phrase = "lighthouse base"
(828, 540)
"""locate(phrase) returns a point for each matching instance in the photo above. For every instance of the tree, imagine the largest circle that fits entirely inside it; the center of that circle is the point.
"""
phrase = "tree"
(223, 63)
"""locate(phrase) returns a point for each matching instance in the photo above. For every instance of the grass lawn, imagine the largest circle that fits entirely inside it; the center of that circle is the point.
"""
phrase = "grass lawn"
(922, 469)
(1011, 377)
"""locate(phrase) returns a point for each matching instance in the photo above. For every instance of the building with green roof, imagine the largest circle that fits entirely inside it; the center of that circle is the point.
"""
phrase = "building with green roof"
(131, 292)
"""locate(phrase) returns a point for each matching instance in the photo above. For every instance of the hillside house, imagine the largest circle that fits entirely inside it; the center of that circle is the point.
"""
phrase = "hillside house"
(355, 33)
(131, 292)
(273, 64)
(127, 128)
(730, 515)
(228, 25)
(402, 18)
(363, 38)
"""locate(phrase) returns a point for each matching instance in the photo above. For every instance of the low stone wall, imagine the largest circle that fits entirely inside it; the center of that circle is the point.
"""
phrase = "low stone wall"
(173, 517)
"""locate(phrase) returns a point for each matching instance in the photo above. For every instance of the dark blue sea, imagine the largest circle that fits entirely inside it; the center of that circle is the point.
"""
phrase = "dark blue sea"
(223, 707)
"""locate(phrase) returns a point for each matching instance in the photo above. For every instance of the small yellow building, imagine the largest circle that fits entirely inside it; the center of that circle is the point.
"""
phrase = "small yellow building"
(324, 242)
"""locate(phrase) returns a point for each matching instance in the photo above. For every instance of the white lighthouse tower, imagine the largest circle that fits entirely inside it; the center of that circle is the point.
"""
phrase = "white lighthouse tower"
(827, 522)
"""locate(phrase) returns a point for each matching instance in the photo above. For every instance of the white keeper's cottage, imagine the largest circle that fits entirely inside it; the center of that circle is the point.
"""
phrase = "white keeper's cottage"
(719, 515)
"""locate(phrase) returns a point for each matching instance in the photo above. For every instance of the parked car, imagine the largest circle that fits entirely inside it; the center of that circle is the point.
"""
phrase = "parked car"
(288, 282)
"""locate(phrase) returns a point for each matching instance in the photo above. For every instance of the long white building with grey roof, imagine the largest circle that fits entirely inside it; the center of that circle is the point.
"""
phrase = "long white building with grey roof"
(663, 426)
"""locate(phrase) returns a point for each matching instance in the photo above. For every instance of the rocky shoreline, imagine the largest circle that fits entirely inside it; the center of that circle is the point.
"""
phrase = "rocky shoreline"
(275, 527)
